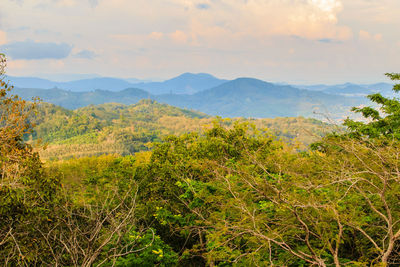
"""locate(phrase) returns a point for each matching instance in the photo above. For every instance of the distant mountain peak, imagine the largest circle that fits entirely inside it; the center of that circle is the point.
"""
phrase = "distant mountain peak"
(193, 76)
(200, 74)
(186, 83)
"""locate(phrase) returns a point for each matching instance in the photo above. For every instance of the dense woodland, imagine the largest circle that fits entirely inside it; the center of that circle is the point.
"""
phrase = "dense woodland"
(124, 130)
(229, 194)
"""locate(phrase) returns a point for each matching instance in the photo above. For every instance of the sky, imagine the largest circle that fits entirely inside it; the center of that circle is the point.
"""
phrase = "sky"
(293, 41)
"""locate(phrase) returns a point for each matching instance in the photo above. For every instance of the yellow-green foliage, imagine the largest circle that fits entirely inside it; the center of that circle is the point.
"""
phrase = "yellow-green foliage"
(123, 130)
(231, 194)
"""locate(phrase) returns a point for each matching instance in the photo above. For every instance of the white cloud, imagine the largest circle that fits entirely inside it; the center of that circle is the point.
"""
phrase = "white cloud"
(314, 19)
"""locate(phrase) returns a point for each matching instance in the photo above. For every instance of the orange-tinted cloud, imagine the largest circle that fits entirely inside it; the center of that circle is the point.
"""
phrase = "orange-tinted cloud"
(3, 37)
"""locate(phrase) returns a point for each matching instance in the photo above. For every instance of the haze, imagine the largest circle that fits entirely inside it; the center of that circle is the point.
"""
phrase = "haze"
(294, 41)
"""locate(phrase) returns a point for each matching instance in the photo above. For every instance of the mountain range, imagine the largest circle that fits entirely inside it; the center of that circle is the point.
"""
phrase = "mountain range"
(187, 83)
(243, 97)
(351, 89)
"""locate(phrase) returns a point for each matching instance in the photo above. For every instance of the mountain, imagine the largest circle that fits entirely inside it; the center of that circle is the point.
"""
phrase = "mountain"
(111, 84)
(103, 83)
(134, 80)
(348, 89)
(247, 97)
(31, 82)
(351, 89)
(243, 97)
(74, 100)
(187, 83)
(66, 77)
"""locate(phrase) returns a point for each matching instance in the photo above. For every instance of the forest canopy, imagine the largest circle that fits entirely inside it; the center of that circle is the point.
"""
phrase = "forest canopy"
(225, 195)
(124, 130)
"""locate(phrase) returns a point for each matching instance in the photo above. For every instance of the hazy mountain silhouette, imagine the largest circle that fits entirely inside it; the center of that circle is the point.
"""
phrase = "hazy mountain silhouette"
(243, 97)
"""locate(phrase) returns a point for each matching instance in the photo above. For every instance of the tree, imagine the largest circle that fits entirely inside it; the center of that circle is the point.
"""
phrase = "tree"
(241, 197)
(382, 122)
(43, 222)
(14, 124)
(230, 194)
(27, 193)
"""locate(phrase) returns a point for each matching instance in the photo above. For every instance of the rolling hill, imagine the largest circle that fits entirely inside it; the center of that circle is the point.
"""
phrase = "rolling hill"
(126, 129)
(73, 100)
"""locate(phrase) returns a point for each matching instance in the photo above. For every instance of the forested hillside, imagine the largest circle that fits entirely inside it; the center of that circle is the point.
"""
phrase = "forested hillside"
(121, 129)
(73, 100)
(174, 193)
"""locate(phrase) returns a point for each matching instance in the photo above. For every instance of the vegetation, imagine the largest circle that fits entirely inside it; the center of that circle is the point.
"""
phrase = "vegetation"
(44, 223)
(124, 130)
(230, 194)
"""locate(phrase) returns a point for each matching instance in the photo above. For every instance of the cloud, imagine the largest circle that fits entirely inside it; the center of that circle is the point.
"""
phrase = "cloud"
(31, 50)
(72, 3)
(86, 54)
(364, 35)
(20, 2)
(61, 3)
(378, 37)
(179, 36)
(3, 37)
(326, 40)
(156, 35)
(311, 19)
(203, 6)
(16, 64)
(93, 3)
(241, 37)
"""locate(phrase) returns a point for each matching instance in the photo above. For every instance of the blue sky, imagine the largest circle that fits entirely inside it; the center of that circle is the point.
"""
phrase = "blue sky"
(296, 41)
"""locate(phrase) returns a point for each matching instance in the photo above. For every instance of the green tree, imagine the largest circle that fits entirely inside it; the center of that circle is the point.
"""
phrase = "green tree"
(231, 196)
(384, 121)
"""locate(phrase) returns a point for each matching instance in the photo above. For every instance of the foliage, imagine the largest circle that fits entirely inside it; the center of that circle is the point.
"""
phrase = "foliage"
(383, 122)
(237, 196)
(125, 130)
(227, 194)
(151, 251)
(27, 192)
(43, 223)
